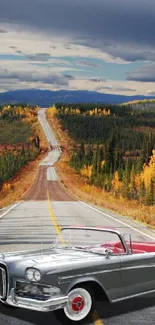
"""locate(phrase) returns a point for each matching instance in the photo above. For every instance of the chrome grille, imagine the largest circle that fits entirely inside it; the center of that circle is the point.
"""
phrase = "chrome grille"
(2, 283)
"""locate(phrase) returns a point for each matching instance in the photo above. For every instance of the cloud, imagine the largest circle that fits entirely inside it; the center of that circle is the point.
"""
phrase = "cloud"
(34, 76)
(150, 93)
(87, 63)
(33, 56)
(30, 43)
(45, 44)
(13, 47)
(118, 89)
(143, 74)
(3, 30)
(97, 79)
(18, 51)
(53, 47)
(113, 25)
(69, 77)
(38, 57)
(120, 52)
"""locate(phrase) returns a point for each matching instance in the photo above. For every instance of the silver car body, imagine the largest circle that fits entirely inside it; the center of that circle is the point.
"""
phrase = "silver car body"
(120, 276)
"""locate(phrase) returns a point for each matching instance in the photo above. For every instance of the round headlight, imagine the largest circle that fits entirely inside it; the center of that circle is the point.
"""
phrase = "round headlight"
(33, 275)
(37, 275)
(29, 274)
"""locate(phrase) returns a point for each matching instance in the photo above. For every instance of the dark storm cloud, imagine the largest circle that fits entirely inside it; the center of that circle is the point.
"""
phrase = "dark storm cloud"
(87, 63)
(143, 74)
(33, 76)
(111, 25)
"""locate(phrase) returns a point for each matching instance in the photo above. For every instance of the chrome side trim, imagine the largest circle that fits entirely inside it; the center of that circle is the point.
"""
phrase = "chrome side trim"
(134, 296)
(4, 289)
(60, 279)
(137, 267)
(69, 277)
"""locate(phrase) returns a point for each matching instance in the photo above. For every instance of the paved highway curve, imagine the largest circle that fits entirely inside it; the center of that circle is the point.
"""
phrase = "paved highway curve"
(36, 221)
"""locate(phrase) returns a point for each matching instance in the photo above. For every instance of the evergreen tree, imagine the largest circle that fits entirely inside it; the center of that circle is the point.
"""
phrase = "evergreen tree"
(149, 200)
(89, 156)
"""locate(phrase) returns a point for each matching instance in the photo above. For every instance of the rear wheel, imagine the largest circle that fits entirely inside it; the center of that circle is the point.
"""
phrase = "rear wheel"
(79, 307)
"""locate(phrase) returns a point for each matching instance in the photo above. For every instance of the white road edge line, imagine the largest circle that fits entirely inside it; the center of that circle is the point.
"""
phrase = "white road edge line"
(2, 215)
(115, 219)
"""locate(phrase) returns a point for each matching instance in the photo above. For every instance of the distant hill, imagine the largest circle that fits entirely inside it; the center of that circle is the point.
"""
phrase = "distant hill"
(45, 98)
(145, 104)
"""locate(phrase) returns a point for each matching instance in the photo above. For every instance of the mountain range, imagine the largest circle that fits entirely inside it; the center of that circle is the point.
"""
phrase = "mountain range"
(45, 98)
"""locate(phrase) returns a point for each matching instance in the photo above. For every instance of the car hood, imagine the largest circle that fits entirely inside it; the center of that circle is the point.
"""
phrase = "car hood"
(44, 259)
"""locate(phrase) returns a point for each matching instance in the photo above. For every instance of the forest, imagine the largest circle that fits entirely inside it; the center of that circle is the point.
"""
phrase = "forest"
(114, 147)
(19, 141)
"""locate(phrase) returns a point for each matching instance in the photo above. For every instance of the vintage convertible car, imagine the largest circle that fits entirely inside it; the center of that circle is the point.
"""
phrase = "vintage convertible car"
(83, 265)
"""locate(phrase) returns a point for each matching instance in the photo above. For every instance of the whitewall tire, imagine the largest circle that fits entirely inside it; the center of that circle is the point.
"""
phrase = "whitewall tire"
(79, 307)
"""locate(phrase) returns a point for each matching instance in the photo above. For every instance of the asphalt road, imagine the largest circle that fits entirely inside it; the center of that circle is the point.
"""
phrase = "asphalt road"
(31, 224)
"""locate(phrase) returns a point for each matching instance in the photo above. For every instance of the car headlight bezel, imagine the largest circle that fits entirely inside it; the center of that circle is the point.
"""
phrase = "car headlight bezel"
(32, 274)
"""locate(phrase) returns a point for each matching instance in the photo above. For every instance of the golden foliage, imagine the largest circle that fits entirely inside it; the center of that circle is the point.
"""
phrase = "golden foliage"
(51, 111)
(116, 183)
(86, 171)
(102, 163)
(148, 173)
(138, 102)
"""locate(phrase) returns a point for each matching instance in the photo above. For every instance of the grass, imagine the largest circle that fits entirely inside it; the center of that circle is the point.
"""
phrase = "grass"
(15, 132)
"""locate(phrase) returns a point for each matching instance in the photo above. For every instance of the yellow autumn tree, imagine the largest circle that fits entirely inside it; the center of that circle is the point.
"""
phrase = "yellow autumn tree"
(86, 171)
(148, 174)
(51, 111)
(116, 183)
(77, 111)
(148, 178)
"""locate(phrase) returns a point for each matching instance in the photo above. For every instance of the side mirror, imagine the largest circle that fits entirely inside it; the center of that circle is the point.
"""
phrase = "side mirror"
(108, 252)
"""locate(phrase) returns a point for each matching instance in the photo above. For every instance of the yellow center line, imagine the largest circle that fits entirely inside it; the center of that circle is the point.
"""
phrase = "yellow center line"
(95, 317)
(53, 218)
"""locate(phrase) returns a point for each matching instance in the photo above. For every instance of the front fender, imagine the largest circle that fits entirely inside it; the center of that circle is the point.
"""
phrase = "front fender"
(82, 280)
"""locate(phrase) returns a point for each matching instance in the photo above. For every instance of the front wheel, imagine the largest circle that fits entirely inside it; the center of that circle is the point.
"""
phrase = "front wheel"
(79, 307)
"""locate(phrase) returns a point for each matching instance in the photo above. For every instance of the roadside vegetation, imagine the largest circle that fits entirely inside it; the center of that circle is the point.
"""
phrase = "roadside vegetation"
(111, 150)
(21, 144)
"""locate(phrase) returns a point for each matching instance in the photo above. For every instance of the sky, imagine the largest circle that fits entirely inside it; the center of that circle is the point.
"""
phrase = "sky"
(98, 45)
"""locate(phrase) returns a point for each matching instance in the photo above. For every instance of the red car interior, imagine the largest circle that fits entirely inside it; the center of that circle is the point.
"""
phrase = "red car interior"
(117, 248)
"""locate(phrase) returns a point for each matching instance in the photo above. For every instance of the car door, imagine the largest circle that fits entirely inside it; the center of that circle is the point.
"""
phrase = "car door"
(109, 276)
(137, 273)
(109, 271)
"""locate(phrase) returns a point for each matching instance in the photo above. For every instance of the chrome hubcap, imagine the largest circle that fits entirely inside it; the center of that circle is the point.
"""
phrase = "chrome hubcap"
(79, 304)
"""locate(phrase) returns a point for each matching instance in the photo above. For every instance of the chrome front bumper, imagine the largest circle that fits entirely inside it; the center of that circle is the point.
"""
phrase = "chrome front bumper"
(37, 305)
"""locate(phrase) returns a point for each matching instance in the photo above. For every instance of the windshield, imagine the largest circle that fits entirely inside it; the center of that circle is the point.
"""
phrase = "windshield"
(92, 240)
